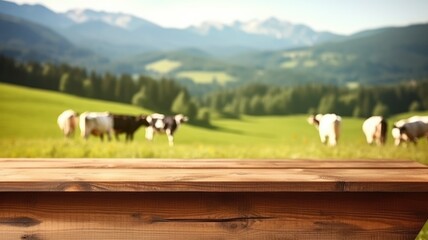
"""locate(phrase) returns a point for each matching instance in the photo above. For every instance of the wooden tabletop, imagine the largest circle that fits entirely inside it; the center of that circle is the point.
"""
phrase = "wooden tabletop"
(210, 175)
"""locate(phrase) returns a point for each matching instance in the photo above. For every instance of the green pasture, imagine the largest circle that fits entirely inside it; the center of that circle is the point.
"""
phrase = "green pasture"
(206, 76)
(28, 129)
(163, 66)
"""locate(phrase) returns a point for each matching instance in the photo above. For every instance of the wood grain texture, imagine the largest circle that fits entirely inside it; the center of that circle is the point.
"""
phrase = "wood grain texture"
(142, 175)
(133, 163)
(212, 215)
(44, 199)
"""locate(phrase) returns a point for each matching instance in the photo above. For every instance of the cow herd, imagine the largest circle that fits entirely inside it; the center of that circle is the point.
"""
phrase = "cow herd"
(106, 123)
(374, 128)
(328, 125)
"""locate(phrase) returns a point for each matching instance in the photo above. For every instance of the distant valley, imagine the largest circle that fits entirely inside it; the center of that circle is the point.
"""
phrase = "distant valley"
(214, 55)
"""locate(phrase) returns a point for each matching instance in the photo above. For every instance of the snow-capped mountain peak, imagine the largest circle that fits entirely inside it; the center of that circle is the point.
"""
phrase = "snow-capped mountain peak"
(121, 20)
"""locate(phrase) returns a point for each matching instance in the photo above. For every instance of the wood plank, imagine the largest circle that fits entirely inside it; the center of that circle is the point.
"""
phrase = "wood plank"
(212, 215)
(203, 163)
(211, 199)
(215, 175)
(215, 180)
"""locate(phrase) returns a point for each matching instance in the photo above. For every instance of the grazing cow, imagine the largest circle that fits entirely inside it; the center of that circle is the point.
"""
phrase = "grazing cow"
(161, 123)
(410, 130)
(375, 129)
(128, 124)
(395, 131)
(418, 118)
(96, 123)
(328, 126)
(67, 122)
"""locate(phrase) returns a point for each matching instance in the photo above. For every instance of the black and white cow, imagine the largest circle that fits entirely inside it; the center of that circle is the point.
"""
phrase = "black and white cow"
(408, 130)
(128, 124)
(164, 124)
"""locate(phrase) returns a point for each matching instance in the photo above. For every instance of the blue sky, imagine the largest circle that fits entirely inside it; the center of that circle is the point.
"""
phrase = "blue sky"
(340, 16)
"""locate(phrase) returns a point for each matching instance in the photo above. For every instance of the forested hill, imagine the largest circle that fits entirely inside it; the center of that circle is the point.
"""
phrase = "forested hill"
(380, 56)
(25, 40)
(371, 57)
(166, 96)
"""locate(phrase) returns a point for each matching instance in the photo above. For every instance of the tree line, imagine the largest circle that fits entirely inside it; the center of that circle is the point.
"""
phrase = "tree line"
(164, 95)
(167, 96)
(260, 99)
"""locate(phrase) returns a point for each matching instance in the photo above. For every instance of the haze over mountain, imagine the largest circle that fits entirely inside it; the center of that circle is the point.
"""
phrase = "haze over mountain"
(272, 51)
(103, 30)
(25, 40)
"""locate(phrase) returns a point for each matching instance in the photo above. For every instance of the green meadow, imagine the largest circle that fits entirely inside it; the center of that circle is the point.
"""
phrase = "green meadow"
(163, 66)
(29, 129)
(206, 76)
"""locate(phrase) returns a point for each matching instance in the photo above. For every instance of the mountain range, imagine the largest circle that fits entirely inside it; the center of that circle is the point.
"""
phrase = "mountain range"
(100, 31)
(272, 51)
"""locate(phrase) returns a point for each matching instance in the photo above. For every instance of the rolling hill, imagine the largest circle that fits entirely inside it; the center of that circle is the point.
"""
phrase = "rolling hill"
(382, 56)
(250, 137)
(24, 40)
(379, 56)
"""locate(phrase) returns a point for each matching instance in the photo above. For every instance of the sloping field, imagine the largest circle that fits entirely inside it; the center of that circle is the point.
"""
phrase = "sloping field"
(163, 66)
(28, 129)
(206, 76)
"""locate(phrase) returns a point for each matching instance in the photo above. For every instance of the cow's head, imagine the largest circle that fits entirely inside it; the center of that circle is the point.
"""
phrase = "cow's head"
(180, 118)
(399, 134)
(314, 119)
(144, 120)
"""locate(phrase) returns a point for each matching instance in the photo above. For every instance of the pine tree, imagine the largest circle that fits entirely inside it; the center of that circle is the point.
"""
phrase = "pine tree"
(380, 110)
(183, 105)
(64, 83)
(141, 98)
(328, 104)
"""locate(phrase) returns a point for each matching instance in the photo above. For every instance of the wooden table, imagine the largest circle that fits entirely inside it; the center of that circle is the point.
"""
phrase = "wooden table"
(43, 199)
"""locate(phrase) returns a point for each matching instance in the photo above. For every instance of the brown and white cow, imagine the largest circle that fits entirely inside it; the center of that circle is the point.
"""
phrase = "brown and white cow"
(67, 122)
(97, 124)
(164, 124)
(375, 129)
(328, 126)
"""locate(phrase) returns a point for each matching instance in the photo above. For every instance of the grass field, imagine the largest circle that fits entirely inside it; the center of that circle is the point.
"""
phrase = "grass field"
(163, 66)
(28, 129)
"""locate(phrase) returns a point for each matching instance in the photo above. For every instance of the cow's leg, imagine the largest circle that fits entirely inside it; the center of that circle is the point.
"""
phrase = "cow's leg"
(72, 130)
(102, 137)
(149, 133)
(397, 141)
(323, 138)
(85, 135)
(66, 130)
(170, 135)
(414, 140)
(332, 140)
(369, 139)
(109, 133)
